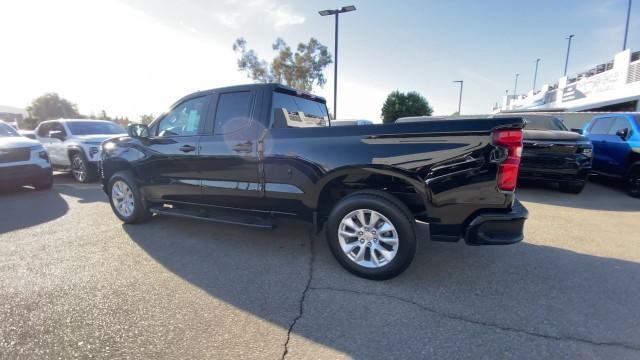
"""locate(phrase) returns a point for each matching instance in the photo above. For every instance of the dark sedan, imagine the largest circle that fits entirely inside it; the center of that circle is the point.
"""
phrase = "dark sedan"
(552, 153)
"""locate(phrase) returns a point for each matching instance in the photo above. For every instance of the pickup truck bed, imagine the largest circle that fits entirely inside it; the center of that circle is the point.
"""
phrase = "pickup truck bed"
(280, 157)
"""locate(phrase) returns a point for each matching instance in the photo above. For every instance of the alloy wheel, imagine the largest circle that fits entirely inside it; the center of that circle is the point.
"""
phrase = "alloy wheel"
(122, 198)
(368, 238)
(79, 169)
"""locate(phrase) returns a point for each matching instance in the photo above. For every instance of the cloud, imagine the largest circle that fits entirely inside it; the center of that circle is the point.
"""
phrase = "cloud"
(282, 16)
(188, 28)
(140, 66)
(239, 14)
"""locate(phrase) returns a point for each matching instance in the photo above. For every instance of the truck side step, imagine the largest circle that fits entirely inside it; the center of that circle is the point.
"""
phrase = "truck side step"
(218, 215)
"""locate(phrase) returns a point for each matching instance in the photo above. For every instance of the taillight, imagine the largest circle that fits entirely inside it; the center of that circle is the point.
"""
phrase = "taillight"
(508, 169)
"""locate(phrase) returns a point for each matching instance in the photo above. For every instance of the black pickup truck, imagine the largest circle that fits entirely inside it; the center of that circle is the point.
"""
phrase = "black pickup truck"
(246, 154)
(552, 153)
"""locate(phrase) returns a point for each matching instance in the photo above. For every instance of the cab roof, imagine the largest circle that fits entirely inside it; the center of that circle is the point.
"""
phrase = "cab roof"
(248, 87)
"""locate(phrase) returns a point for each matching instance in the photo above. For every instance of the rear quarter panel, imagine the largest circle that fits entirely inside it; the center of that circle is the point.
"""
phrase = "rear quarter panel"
(447, 162)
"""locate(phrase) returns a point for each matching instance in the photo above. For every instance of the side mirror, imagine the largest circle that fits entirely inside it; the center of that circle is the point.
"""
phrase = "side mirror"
(577, 131)
(138, 131)
(56, 134)
(622, 133)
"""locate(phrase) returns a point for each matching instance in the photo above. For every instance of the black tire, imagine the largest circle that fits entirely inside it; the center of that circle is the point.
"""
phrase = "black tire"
(44, 185)
(632, 180)
(571, 188)
(391, 208)
(140, 212)
(81, 169)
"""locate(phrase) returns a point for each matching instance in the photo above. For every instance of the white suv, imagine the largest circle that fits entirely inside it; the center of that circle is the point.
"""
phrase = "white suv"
(22, 161)
(74, 144)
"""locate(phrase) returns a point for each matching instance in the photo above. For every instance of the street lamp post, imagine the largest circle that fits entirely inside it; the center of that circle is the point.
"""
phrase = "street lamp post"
(460, 97)
(515, 86)
(566, 61)
(626, 29)
(535, 75)
(336, 12)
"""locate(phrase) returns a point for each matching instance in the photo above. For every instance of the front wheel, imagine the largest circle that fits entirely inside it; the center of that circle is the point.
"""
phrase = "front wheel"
(81, 169)
(126, 200)
(632, 181)
(372, 235)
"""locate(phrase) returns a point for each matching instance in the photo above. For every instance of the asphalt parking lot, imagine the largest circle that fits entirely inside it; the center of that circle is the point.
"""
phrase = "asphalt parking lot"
(75, 282)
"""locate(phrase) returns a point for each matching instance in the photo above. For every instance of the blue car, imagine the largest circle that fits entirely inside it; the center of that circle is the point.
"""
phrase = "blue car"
(616, 148)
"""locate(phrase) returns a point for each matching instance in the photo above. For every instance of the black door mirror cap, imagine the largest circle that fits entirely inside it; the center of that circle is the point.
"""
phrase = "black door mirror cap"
(577, 131)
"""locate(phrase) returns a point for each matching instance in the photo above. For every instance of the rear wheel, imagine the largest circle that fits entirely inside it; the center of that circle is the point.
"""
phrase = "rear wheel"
(572, 188)
(372, 235)
(81, 169)
(632, 180)
(126, 200)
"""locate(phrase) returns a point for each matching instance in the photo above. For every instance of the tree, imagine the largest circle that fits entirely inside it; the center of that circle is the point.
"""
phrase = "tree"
(400, 105)
(301, 69)
(51, 106)
(103, 116)
(147, 118)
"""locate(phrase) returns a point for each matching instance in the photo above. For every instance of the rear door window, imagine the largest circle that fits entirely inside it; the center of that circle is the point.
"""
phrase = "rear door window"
(601, 126)
(233, 112)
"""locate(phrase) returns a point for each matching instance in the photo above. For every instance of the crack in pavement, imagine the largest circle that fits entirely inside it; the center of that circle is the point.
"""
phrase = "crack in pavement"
(632, 347)
(304, 294)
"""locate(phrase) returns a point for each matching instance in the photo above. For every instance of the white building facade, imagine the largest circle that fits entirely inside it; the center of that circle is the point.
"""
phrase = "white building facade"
(613, 86)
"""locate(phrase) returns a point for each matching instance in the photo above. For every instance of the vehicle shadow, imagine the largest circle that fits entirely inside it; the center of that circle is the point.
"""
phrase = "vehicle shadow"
(601, 194)
(85, 193)
(473, 292)
(25, 207)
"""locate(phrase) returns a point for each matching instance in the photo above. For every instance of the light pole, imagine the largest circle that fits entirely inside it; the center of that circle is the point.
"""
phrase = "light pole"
(336, 12)
(515, 86)
(460, 97)
(535, 75)
(626, 29)
(566, 61)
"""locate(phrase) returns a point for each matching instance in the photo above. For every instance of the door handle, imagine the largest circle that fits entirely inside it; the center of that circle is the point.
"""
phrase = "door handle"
(246, 146)
(187, 148)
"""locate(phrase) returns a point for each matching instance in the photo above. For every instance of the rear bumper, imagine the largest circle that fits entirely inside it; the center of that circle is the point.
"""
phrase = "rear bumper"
(497, 228)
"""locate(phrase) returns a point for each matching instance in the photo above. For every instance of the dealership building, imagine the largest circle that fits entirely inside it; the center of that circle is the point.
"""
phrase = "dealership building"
(608, 87)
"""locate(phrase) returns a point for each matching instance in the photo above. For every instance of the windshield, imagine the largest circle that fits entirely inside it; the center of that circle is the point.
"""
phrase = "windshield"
(94, 128)
(295, 111)
(544, 123)
(6, 130)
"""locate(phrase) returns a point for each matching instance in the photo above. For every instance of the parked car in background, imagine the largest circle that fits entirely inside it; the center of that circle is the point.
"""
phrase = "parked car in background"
(616, 148)
(552, 153)
(23, 161)
(74, 145)
(351, 122)
(245, 154)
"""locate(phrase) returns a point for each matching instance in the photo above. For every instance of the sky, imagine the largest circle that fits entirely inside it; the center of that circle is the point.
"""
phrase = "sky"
(134, 57)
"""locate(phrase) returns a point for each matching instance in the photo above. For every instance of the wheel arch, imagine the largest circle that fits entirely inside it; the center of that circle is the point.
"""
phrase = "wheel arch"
(75, 149)
(115, 165)
(633, 160)
(407, 187)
